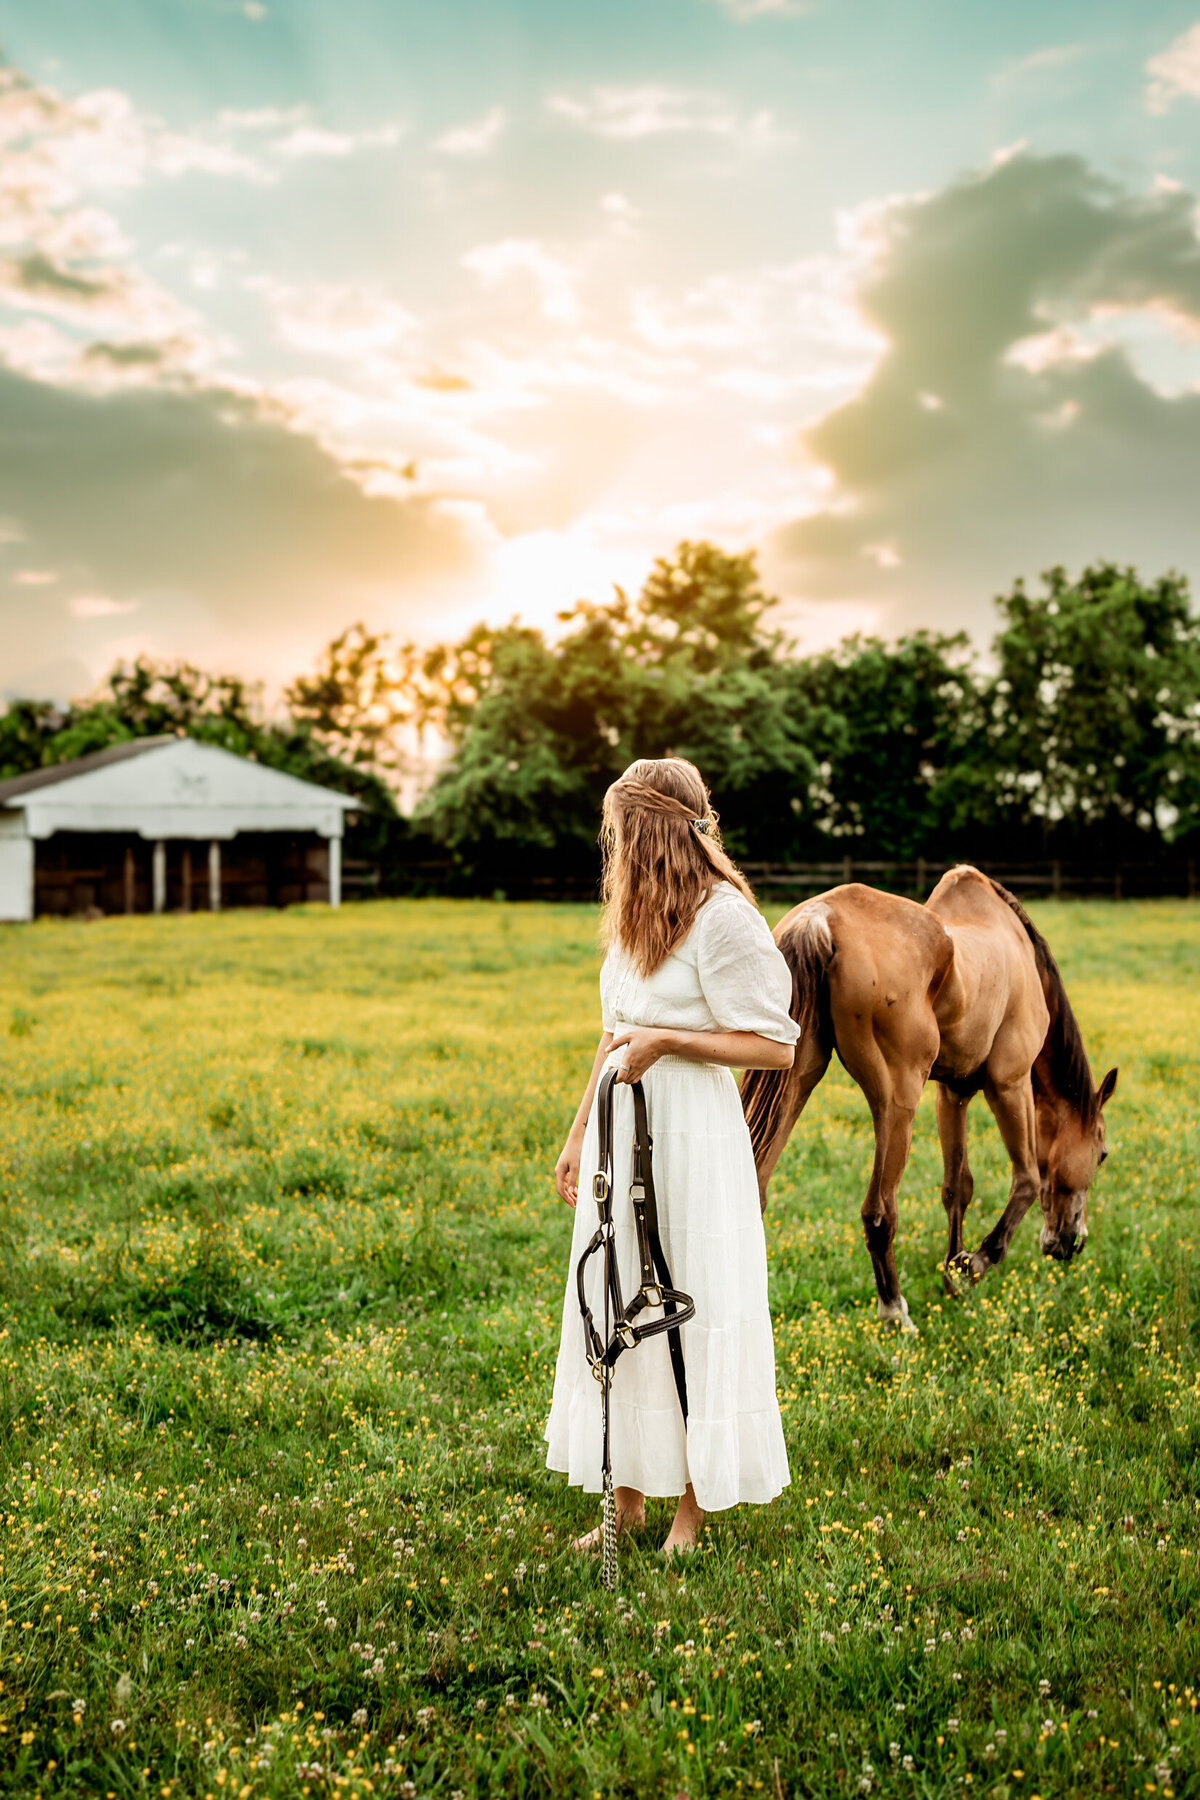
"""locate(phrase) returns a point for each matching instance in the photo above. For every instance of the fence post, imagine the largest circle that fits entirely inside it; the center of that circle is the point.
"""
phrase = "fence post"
(921, 875)
(847, 868)
(1056, 875)
(1117, 883)
(1191, 875)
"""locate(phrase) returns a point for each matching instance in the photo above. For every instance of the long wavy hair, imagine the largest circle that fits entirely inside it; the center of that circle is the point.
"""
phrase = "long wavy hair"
(662, 856)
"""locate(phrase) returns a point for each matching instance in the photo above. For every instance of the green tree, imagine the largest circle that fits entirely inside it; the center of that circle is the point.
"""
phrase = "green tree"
(899, 730)
(539, 729)
(1094, 710)
(358, 701)
(26, 727)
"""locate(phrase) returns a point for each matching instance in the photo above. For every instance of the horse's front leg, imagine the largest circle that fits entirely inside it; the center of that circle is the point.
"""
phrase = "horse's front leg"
(1012, 1107)
(958, 1184)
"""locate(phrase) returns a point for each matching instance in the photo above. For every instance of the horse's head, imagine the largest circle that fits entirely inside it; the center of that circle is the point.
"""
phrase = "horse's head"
(1071, 1148)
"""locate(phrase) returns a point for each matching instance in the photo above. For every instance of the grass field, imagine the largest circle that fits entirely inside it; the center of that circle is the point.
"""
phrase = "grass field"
(282, 1279)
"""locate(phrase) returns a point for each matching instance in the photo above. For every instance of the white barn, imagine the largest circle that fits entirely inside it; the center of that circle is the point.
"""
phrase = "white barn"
(166, 823)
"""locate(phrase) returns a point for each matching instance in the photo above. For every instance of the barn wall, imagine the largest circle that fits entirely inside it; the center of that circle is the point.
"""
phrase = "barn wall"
(81, 873)
(16, 876)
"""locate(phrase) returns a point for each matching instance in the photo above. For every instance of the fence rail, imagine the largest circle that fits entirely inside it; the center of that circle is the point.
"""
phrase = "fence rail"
(1116, 879)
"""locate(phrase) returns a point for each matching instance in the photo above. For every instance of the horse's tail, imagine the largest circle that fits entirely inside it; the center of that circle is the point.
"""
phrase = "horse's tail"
(808, 949)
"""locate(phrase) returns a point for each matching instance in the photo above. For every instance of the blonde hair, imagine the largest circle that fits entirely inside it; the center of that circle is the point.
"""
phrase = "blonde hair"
(662, 855)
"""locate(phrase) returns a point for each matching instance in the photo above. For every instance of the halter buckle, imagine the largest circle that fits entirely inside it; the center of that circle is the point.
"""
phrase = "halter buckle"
(600, 1187)
(637, 1190)
(627, 1333)
(652, 1293)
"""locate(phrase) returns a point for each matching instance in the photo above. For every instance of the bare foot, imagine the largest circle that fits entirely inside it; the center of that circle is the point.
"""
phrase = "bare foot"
(631, 1516)
(685, 1527)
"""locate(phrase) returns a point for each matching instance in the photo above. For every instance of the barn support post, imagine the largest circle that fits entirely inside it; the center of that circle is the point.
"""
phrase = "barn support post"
(187, 879)
(335, 871)
(160, 877)
(130, 879)
(214, 876)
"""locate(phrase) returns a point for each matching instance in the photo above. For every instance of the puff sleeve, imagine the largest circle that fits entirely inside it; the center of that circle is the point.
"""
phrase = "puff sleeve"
(747, 985)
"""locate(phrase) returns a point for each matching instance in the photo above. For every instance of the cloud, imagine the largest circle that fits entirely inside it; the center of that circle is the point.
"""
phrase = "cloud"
(553, 278)
(316, 141)
(654, 110)
(261, 118)
(135, 474)
(1038, 62)
(99, 606)
(332, 319)
(476, 138)
(213, 515)
(743, 11)
(1006, 426)
(1174, 74)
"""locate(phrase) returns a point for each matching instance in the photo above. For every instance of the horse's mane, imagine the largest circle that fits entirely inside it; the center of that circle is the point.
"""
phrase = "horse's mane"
(1070, 1069)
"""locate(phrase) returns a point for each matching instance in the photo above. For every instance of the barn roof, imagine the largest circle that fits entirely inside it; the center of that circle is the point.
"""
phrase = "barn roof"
(78, 765)
(171, 787)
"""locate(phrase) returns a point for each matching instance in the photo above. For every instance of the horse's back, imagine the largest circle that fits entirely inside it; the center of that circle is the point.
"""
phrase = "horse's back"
(889, 960)
(882, 943)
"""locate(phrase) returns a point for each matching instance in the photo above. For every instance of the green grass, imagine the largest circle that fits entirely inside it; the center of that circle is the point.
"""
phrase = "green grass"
(282, 1276)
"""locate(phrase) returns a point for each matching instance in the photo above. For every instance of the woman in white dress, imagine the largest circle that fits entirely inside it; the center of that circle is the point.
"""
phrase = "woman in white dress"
(692, 986)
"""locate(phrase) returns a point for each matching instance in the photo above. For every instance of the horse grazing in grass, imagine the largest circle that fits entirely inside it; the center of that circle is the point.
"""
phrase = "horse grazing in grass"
(964, 990)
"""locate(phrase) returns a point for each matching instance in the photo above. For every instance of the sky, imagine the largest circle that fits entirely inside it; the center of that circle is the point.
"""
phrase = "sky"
(419, 314)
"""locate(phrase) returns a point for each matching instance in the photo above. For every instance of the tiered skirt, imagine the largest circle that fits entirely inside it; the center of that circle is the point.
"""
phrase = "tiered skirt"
(711, 1227)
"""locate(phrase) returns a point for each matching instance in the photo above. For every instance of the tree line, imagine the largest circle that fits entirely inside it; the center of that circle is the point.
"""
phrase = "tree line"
(1076, 735)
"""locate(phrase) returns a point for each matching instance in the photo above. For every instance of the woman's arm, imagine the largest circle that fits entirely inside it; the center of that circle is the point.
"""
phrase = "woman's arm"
(734, 1049)
(566, 1170)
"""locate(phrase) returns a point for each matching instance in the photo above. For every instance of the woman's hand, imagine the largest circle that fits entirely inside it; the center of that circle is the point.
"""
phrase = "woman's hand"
(644, 1049)
(566, 1169)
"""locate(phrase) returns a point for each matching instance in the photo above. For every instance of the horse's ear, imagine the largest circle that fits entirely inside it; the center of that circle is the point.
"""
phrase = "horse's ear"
(1108, 1087)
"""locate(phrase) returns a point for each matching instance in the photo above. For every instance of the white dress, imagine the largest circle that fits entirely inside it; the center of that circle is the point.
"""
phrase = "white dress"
(726, 975)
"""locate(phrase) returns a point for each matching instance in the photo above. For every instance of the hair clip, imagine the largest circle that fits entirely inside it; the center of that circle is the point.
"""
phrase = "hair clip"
(703, 826)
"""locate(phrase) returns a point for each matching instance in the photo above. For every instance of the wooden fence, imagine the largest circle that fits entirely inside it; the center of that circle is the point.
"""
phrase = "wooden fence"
(1096, 879)
(1115, 880)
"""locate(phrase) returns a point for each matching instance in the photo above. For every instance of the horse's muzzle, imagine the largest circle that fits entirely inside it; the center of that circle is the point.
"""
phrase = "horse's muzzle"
(1063, 1245)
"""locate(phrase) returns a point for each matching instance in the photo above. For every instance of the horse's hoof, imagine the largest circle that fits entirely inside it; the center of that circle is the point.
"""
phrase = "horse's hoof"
(970, 1264)
(950, 1287)
(896, 1313)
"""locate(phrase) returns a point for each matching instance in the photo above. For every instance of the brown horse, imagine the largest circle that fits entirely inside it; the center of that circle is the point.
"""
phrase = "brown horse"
(964, 990)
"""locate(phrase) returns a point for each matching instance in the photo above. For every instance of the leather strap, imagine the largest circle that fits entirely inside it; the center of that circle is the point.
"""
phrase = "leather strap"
(624, 1327)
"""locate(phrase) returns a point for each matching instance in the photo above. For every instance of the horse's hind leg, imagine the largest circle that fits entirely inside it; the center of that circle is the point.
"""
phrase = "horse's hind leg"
(958, 1184)
(892, 1084)
(880, 1213)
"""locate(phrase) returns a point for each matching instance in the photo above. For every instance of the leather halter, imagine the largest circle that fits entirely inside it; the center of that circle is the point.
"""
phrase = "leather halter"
(656, 1289)
(624, 1326)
